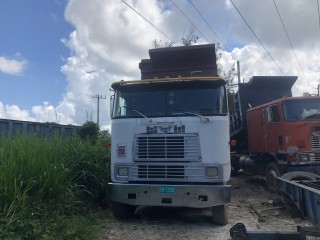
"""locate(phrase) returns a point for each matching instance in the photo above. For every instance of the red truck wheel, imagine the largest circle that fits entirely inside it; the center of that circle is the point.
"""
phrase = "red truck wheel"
(272, 172)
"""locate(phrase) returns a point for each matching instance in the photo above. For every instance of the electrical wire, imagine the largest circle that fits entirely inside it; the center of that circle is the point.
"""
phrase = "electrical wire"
(318, 12)
(189, 20)
(207, 23)
(289, 39)
(159, 30)
(257, 37)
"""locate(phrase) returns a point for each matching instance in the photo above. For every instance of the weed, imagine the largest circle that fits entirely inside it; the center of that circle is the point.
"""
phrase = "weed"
(46, 183)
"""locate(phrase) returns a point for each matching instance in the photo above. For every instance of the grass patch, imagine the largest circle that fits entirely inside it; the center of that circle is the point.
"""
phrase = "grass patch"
(45, 184)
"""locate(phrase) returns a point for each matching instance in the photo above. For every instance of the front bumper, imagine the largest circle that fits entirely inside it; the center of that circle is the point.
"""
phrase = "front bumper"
(195, 196)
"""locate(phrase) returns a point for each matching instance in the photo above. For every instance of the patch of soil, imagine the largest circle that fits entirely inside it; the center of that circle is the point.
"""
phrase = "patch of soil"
(252, 204)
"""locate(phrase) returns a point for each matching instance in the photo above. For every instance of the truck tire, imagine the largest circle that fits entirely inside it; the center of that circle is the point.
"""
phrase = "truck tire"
(122, 210)
(272, 171)
(299, 175)
(235, 166)
(220, 214)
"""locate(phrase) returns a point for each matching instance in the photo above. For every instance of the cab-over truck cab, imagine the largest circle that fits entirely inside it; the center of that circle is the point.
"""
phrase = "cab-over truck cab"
(170, 140)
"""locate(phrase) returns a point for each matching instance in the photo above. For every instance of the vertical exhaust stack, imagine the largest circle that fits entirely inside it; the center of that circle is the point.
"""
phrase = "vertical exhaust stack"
(238, 71)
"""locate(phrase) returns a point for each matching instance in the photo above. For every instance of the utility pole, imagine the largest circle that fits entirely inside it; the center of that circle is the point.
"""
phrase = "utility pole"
(98, 97)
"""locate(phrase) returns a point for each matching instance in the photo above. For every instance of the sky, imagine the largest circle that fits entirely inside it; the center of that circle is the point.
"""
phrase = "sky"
(57, 55)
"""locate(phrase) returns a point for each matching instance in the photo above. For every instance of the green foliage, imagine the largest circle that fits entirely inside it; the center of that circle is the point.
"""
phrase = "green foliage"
(44, 182)
(89, 131)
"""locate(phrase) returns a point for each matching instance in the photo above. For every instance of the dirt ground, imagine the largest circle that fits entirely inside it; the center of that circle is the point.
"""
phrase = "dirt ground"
(183, 223)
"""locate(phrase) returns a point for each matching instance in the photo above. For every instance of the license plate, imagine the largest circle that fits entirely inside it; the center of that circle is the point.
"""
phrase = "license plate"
(167, 189)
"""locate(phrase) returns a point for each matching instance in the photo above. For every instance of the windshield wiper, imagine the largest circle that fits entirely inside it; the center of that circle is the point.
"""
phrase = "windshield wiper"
(202, 118)
(135, 110)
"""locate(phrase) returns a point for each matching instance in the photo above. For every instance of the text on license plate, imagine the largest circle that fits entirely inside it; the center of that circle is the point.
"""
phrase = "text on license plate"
(167, 189)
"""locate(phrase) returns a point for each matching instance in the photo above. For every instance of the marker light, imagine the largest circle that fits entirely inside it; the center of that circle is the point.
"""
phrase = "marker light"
(233, 143)
(108, 145)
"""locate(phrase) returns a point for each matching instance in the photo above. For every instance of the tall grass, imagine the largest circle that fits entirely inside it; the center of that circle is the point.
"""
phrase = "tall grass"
(43, 181)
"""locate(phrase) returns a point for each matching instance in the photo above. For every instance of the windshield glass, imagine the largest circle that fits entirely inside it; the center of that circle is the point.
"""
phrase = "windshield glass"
(170, 102)
(302, 109)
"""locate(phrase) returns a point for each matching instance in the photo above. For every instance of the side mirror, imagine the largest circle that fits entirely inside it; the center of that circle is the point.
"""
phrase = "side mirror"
(111, 105)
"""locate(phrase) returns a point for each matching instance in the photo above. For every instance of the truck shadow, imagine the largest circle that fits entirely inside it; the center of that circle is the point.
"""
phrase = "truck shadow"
(174, 215)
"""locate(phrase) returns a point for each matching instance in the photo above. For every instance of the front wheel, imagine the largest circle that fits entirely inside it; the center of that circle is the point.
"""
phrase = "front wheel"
(272, 172)
(122, 210)
(220, 214)
(235, 166)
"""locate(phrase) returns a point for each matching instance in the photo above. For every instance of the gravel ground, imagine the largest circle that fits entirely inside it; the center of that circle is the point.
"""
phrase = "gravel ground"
(183, 223)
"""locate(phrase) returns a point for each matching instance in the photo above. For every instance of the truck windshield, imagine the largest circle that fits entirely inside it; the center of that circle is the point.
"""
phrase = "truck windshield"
(302, 109)
(170, 102)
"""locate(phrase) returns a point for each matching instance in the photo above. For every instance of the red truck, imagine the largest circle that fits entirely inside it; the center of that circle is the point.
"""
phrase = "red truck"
(275, 132)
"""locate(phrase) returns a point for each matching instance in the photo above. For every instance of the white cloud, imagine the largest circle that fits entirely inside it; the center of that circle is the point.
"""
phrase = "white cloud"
(11, 66)
(110, 39)
(14, 112)
(107, 45)
(41, 113)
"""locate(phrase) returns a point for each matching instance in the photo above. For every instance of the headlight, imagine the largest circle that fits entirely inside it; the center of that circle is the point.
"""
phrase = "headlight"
(123, 171)
(303, 157)
(211, 172)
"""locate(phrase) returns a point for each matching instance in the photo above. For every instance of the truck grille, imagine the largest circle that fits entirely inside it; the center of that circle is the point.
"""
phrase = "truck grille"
(315, 144)
(147, 171)
(167, 147)
(167, 172)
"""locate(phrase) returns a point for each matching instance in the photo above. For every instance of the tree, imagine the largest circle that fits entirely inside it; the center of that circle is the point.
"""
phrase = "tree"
(159, 44)
(190, 37)
(226, 75)
(88, 115)
(89, 131)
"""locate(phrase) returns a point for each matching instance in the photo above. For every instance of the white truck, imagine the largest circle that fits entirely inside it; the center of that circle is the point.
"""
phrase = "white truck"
(170, 135)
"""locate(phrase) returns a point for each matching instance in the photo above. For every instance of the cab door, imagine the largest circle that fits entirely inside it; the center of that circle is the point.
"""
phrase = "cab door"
(272, 136)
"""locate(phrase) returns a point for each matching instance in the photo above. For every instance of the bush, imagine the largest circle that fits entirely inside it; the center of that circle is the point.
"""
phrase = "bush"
(89, 131)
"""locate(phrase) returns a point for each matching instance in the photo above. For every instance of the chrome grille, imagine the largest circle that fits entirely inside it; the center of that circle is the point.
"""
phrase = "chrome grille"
(185, 172)
(147, 171)
(167, 147)
(315, 144)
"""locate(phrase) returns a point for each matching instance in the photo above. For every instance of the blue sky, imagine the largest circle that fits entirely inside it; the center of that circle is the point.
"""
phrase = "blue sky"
(55, 55)
(31, 31)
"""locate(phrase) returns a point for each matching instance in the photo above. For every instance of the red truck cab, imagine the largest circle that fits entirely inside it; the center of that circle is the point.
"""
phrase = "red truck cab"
(288, 129)
(275, 132)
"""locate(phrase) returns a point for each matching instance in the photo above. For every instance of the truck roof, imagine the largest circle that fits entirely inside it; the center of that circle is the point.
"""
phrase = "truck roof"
(117, 85)
(282, 100)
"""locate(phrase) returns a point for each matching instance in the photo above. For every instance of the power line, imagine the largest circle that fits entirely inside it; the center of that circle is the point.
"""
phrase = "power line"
(189, 20)
(257, 37)
(154, 26)
(289, 39)
(206, 22)
(318, 12)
